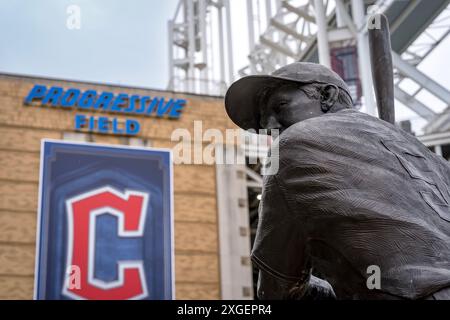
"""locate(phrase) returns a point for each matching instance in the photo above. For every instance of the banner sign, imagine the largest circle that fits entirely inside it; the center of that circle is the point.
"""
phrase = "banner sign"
(105, 223)
(108, 102)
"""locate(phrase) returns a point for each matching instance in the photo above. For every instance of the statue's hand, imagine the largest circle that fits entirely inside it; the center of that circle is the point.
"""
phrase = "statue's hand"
(315, 289)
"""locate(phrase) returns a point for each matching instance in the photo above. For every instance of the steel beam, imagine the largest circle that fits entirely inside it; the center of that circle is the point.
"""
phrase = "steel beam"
(277, 47)
(251, 31)
(322, 34)
(297, 11)
(345, 17)
(364, 56)
(229, 42)
(191, 46)
(268, 11)
(423, 80)
(221, 45)
(414, 104)
(287, 30)
(171, 57)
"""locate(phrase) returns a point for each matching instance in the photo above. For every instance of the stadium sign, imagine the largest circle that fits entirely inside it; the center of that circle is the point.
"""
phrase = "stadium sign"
(91, 100)
(105, 223)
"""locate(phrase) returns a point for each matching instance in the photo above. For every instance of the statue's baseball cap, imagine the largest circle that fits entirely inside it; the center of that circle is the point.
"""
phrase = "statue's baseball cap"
(241, 99)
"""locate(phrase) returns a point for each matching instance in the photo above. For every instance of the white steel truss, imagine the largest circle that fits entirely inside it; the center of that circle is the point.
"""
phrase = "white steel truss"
(198, 29)
(283, 31)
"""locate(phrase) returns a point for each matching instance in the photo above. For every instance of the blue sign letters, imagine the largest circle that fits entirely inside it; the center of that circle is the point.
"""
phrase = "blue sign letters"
(121, 103)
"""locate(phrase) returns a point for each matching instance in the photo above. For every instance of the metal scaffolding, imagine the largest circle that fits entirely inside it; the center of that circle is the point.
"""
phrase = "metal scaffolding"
(198, 35)
(282, 31)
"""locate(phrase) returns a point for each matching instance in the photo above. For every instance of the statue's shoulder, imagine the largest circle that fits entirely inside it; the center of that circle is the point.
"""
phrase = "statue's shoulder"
(318, 129)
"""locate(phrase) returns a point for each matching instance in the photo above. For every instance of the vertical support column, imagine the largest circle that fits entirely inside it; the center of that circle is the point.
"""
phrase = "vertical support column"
(322, 34)
(171, 55)
(236, 277)
(340, 21)
(251, 25)
(268, 11)
(281, 58)
(221, 49)
(279, 4)
(365, 69)
(251, 31)
(229, 42)
(191, 45)
(203, 47)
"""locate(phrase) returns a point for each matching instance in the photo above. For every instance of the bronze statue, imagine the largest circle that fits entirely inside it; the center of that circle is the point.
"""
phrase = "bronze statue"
(352, 192)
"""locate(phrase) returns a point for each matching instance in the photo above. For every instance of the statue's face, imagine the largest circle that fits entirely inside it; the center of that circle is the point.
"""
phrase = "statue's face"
(286, 106)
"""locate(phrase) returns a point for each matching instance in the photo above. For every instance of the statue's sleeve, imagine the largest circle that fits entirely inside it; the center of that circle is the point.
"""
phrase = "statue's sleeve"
(279, 247)
(281, 244)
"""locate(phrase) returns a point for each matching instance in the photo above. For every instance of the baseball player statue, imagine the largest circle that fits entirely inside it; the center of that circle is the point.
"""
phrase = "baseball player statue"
(353, 193)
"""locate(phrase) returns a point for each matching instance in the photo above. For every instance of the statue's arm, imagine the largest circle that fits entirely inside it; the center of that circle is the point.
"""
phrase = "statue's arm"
(280, 248)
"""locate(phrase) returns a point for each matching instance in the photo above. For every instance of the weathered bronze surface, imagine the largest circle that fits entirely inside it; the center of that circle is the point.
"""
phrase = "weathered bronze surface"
(352, 192)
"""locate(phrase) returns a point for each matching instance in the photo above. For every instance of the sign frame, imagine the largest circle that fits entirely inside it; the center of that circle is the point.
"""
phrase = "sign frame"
(39, 218)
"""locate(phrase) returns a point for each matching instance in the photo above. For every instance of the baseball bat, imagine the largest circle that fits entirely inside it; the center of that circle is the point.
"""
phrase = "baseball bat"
(382, 70)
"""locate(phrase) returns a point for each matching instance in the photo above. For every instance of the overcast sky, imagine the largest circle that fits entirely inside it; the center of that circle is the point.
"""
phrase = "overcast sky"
(122, 42)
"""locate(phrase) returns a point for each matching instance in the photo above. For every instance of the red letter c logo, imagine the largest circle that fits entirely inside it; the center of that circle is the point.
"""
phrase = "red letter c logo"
(130, 208)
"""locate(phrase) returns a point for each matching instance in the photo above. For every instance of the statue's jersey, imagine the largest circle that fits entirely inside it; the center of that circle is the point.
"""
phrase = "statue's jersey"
(353, 194)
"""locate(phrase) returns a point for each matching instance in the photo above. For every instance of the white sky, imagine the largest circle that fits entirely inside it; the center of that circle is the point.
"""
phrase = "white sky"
(120, 41)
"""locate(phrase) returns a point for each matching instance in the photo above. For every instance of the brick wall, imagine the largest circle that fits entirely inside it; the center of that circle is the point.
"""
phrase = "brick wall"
(21, 129)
